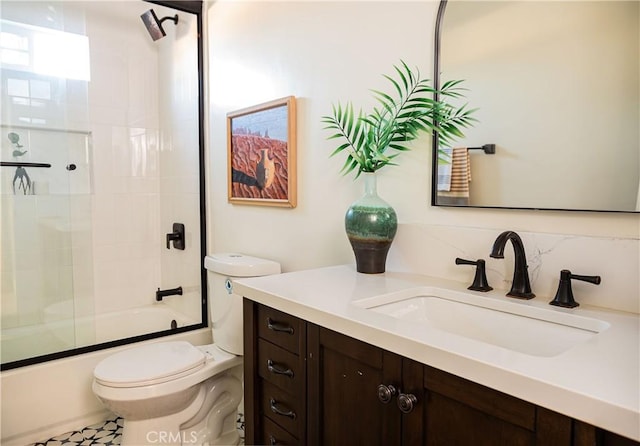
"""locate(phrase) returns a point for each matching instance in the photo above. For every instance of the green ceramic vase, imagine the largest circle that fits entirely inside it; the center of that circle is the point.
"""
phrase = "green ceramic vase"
(371, 224)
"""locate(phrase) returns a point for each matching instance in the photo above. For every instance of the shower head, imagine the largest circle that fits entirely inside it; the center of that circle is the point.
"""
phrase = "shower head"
(154, 25)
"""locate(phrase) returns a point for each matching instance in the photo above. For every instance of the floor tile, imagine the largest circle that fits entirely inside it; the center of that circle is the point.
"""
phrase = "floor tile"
(106, 433)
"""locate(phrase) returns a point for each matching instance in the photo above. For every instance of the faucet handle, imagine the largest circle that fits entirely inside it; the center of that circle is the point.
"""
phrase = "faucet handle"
(177, 237)
(564, 295)
(480, 282)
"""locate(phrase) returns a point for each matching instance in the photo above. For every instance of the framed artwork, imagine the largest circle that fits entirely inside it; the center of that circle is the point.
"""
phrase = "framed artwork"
(261, 145)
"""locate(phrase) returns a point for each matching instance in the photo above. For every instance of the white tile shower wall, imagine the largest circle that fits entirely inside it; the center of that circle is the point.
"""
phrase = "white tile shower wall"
(123, 100)
(432, 249)
(179, 156)
(145, 178)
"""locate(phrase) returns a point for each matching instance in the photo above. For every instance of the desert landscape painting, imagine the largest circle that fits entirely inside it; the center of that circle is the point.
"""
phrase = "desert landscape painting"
(261, 145)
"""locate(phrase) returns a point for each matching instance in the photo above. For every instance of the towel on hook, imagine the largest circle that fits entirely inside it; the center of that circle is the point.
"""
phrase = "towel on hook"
(459, 178)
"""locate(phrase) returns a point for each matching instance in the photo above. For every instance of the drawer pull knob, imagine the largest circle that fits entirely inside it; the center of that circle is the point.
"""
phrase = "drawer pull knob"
(277, 326)
(272, 440)
(285, 413)
(406, 402)
(273, 368)
(386, 393)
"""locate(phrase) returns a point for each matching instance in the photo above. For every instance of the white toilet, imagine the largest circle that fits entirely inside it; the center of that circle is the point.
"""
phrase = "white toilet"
(174, 393)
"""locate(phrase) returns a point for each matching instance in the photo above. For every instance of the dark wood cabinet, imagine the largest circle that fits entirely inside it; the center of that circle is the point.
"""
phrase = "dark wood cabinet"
(308, 385)
(460, 412)
(586, 435)
(343, 377)
(275, 371)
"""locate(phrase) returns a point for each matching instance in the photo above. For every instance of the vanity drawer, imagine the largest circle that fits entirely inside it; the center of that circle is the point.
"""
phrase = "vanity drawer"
(280, 367)
(281, 329)
(272, 434)
(282, 408)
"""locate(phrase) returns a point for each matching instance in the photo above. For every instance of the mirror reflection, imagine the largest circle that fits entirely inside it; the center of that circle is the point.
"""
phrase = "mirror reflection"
(557, 86)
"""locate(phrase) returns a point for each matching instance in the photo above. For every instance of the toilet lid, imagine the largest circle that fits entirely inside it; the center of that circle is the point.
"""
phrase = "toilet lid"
(149, 364)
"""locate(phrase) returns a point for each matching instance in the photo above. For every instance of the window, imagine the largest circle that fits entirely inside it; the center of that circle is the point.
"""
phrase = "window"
(44, 51)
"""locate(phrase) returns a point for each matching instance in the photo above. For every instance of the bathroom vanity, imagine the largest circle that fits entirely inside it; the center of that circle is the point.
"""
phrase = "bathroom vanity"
(332, 358)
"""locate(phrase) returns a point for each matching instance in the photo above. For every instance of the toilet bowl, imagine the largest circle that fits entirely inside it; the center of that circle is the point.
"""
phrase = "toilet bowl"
(167, 391)
(175, 393)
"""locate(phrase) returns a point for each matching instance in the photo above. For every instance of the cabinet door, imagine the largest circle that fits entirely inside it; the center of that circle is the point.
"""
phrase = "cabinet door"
(343, 379)
(587, 435)
(460, 412)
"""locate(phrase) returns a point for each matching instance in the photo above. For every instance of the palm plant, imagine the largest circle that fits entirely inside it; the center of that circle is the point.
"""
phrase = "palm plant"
(372, 140)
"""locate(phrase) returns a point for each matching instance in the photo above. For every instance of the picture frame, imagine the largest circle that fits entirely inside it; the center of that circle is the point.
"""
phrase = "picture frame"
(261, 154)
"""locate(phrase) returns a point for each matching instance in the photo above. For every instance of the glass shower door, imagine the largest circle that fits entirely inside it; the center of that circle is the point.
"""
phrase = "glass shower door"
(117, 114)
(44, 185)
(37, 238)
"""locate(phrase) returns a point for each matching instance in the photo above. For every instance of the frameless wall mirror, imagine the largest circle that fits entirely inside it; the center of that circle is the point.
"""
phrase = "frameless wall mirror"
(557, 86)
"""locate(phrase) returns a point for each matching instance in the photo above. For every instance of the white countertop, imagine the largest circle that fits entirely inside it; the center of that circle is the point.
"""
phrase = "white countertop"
(597, 381)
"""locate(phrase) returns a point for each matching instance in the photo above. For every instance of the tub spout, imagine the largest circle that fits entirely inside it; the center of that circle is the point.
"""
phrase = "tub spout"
(520, 287)
(161, 294)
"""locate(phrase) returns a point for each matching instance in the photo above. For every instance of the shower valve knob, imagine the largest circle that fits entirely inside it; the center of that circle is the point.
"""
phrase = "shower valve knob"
(177, 237)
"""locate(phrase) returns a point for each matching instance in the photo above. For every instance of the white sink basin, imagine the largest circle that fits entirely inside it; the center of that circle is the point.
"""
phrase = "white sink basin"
(514, 325)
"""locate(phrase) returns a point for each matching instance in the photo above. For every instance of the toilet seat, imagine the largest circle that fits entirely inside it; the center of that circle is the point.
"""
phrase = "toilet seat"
(217, 361)
(149, 364)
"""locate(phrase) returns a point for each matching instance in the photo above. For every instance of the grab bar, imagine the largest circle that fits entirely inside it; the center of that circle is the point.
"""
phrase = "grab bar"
(20, 164)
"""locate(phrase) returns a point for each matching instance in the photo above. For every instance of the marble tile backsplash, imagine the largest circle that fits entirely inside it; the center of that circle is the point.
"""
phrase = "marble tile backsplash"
(432, 250)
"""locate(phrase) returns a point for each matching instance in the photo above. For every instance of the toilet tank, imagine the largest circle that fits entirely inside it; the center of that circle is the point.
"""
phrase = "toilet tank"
(225, 307)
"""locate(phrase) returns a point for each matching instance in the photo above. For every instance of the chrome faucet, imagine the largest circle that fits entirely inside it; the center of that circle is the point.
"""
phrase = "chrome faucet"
(520, 287)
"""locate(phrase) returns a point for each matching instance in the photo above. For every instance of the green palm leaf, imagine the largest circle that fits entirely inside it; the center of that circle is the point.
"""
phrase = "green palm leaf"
(397, 121)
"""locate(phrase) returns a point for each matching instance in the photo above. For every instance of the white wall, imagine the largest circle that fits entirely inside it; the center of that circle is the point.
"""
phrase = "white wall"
(323, 52)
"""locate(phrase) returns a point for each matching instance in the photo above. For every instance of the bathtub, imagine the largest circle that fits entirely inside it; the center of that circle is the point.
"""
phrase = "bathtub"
(58, 332)
(44, 400)
(111, 326)
(35, 340)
